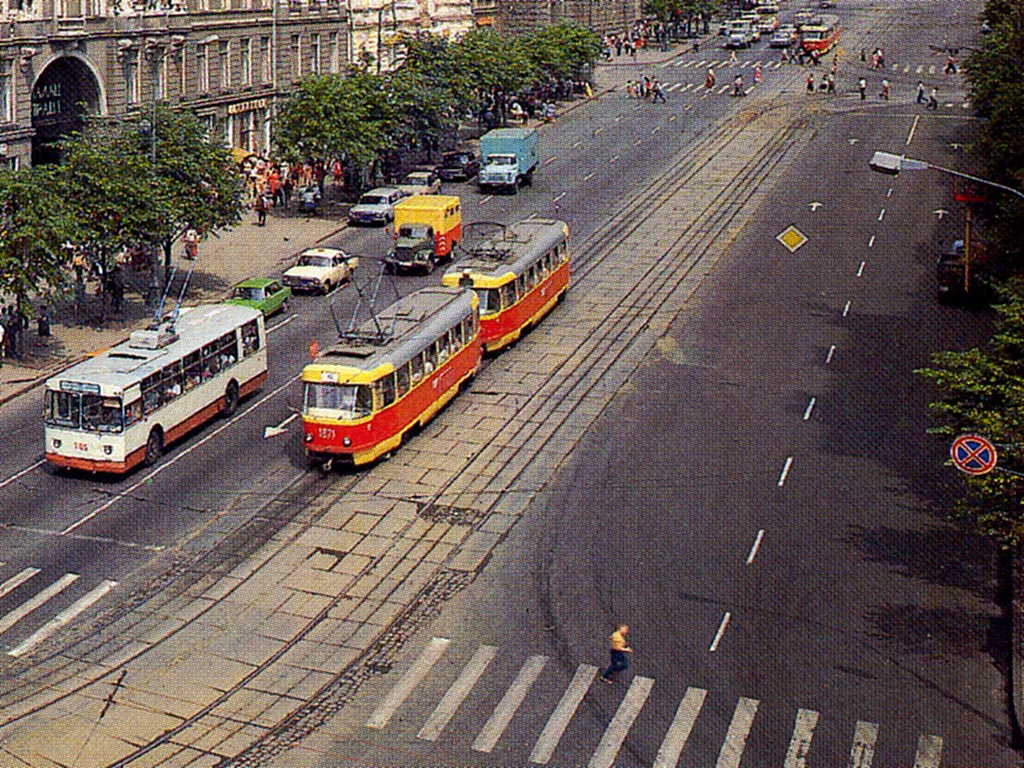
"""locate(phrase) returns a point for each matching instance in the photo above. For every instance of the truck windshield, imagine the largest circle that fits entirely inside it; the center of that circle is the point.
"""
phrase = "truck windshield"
(501, 160)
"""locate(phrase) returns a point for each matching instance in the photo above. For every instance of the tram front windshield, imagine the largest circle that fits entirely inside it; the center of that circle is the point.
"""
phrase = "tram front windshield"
(490, 300)
(348, 401)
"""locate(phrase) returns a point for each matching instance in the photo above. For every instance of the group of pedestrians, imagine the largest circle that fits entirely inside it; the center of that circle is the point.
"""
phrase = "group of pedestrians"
(14, 324)
(646, 88)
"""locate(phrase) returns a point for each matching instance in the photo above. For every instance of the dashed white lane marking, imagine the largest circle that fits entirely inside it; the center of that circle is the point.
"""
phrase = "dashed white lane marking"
(598, 130)
(23, 472)
(913, 129)
(638, 142)
(860, 270)
(831, 352)
(871, 242)
(785, 472)
(672, 118)
(679, 731)
(931, 70)
(810, 407)
(618, 728)
(559, 197)
(577, 145)
(888, 192)
(589, 176)
(846, 309)
(549, 161)
(929, 752)
(404, 687)
(920, 69)
(503, 713)
(655, 129)
(863, 752)
(455, 695)
(755, 546)
(673, 87)
(689, 86)
(282, 324)
(16, 581)
(617, 119)
(486, 199)
(745, 64)
(62, 618)
(37, 600)
(724, 88)
(881, 214)
(803, 732)
(736, 736)
(701, 63)
(720, 633)
(555, 727)
(614, 159)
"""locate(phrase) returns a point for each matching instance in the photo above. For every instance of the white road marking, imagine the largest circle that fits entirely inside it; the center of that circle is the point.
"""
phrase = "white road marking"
(486, 199)
(614, 159)
(803, 731)
(689, 86)
(888, 192)
(455, 695)
(920, 69)
(611, 742)
(755, 547)
(785, 471)
(846, 309)
(282, 324)
(555, 727)
(673, 87)
(860, 270)
(929, 752)
(724, 88)
(404, 687)
(550, 160)
(701, 63)
(881, 214)
(863, 752)
(736, 736)
(62, 618)
(37, 600)
(638, 142)
(503, 713)
(672, 118)
(16, 581)
(23, 472)
(871, 242)
(913, 128)
(577, 145)
(745, 64)
(831, 352)
(655, 129)
(558, 198)
(598, 130)
(720, 633)
(589, 176)
(810, 407)
(679, 731)
(931, 70)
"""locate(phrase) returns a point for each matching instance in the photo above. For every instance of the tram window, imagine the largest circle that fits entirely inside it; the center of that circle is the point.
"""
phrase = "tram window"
(490, 300)
(416, 364)
(402, 375)
(454, 339)
(508, 295)
(250, 338)
(387, 390)
(430, 358)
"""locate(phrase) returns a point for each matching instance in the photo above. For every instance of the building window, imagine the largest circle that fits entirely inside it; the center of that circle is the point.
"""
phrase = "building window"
(314, 54)
(7, 100)
(225, 64)
(182, 72)
(266, 75)
(163, 69)
(131, 76)
(296, 57)
(335, 53)
(246, 46)
(203, 65)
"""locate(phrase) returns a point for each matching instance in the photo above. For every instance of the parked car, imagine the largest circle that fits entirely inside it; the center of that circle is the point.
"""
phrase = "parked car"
(421, 183)
(784, 36)
(318, 270)
(265, 294)
(460, 165)
(376, 206)
(768, 24)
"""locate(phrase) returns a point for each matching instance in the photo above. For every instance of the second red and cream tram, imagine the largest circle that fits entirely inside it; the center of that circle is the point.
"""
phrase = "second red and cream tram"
(365, 393)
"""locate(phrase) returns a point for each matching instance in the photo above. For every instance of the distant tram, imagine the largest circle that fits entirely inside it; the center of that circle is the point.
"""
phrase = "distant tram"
(120, 409)
(363, 395)
(820, 35)
(519, 276)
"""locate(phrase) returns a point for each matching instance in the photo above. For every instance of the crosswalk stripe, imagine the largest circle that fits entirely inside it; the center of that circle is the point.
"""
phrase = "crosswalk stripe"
(677, 734)
(404, 687)
(864, 737)
(931, 70)
(736, 736)
(688, 86)
(559, 720)
(690, 63)
(502, 715)
(37, 600)
(701, 63)
(920, 69)
(16, 581)
(724, 88)
(929, 752)
(803, 731)
(673, 87)
(611, 742)
(460, 689)
(62, 618)
(745, 64)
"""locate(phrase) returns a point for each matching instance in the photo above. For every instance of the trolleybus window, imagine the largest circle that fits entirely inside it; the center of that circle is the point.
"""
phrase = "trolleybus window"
(250, 338)
(101, 414)
(63, 409)
(133, 412)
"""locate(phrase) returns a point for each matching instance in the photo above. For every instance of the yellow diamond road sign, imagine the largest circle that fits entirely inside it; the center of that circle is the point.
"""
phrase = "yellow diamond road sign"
(792, 238)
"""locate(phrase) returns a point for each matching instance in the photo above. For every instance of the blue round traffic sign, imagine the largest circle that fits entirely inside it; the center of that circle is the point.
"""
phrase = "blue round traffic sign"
(973, 454)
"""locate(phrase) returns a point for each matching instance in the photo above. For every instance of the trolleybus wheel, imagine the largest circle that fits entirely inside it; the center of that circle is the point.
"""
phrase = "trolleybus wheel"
(154, 447)
(231, 398)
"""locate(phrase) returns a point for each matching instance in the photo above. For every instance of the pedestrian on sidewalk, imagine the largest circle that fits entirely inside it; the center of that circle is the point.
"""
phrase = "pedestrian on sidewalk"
(920, 92)
(950, 68)
(862, 86)
(619, 647)
(191, 243)
(3, 345)
(757, 73)
(933, 99)
(43, 326)
(261, 209)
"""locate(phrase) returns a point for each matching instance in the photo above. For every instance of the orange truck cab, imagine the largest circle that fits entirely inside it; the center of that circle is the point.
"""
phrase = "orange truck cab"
(427, 228)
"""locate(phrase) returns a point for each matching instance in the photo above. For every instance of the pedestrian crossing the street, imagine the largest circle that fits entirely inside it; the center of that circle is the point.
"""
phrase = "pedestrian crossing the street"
(686, 720)
(40, 598)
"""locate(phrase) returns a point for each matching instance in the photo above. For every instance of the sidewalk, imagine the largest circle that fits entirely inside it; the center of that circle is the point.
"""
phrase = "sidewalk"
(225, 259)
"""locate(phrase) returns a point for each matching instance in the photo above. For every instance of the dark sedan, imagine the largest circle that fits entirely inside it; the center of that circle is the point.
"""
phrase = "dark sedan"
(458, 166)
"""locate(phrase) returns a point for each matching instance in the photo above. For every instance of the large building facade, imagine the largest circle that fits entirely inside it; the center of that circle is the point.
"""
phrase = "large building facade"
(602, 16)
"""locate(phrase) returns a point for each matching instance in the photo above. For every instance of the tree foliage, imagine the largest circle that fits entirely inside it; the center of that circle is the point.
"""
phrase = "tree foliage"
(562, 50)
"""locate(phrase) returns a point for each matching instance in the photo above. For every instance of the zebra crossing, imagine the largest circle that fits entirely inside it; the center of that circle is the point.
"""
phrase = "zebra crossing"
(718, 64)
(685, 721)
(32, 604)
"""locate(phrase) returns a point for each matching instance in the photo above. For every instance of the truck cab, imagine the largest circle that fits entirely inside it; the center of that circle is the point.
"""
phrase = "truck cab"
(509, 158)
(427, 228)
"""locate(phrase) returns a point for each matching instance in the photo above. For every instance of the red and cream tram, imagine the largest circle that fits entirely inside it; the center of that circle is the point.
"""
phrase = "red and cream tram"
(519, 276)
(820, 35)
(362, 395)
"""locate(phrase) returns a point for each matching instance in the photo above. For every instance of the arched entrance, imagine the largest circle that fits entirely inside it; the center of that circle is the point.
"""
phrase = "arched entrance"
(63, 94)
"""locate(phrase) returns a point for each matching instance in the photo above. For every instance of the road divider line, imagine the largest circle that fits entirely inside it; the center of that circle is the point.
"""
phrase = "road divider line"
(682, 724)
(577, 145)
(638, 142)
(721, 632)
(283, 323)
(486, 199)
(555, 727)
(37, 600)
(800, 743)
(831, 353)
(810, 407)
(913, 128)
(455, 695)
(755, 547)
(615, 734)
(589, 176)
(785, 472)
(860, 270)
(22, 473)
(62, 618)
(617, 119)
(510, 702)
(598, 130)
(846, 309)
(404, 687)
(888, 192)
(871, 242)
(736, 736)
(550, 160)
(655, 129)
(881, 214)
(558, 198)
(614, 159)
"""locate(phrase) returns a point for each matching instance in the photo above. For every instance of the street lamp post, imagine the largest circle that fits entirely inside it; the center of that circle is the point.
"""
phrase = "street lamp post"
(891, 164)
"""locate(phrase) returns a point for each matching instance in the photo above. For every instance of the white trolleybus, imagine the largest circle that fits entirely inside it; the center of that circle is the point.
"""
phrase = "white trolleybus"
(120, 408)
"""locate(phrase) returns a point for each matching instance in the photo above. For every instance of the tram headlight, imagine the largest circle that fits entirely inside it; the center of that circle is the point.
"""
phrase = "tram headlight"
(346, 441)
(308, 437)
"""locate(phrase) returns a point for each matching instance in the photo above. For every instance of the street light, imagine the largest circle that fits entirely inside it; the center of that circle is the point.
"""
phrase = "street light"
(892, 164)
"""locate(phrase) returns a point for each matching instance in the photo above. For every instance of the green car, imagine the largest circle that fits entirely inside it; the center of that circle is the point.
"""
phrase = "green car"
(267, 295)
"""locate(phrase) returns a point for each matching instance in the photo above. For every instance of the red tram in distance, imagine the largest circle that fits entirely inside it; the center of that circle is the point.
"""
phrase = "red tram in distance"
(363, 395)
(519, 276)
(820, 35)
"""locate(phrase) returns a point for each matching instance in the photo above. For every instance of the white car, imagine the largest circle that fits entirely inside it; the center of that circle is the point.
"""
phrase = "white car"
(421, 183)
(376, 206)
(318, 270)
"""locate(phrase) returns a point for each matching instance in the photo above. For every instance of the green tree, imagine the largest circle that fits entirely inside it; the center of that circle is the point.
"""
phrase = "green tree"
(494, 61)
(562, 50)
(427, 109)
